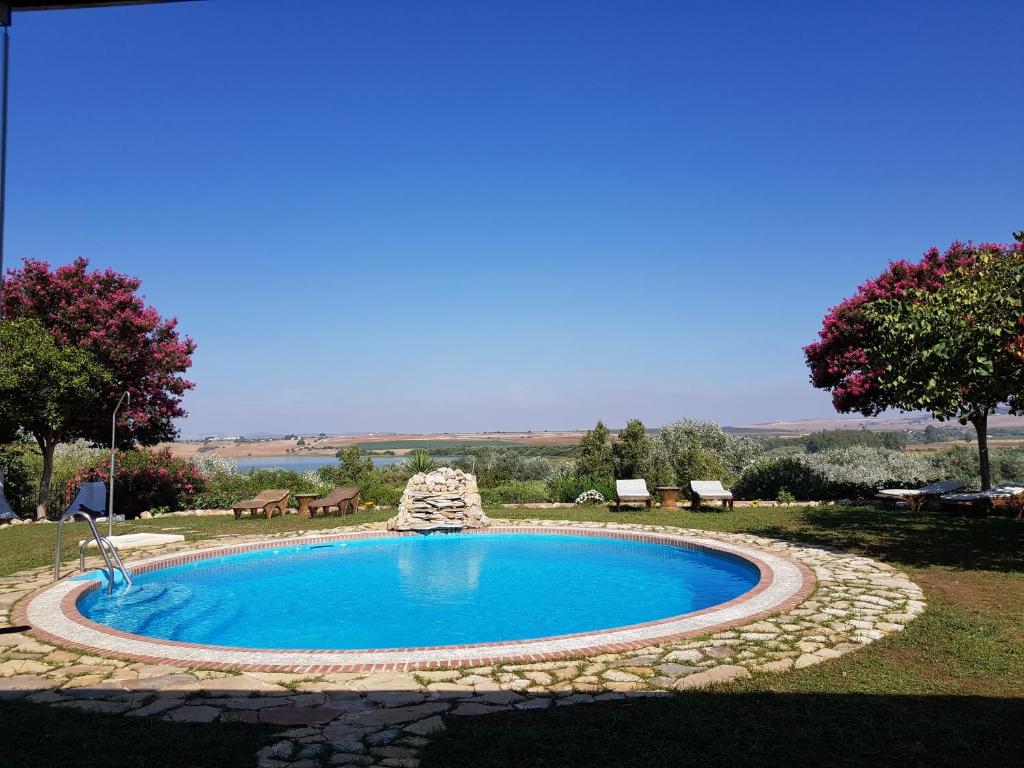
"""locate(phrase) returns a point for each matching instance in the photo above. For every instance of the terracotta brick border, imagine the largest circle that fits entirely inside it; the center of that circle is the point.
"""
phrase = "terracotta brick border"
(75, 630)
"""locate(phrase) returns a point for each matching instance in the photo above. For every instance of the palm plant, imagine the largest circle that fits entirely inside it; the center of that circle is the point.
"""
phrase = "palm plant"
(419, 461)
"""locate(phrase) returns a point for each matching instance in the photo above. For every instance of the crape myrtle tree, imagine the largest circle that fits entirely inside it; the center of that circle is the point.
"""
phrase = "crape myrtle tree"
(943, 335)
(100, 314)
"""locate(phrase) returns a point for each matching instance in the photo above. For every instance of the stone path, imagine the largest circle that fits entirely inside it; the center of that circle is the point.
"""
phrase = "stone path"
(385, 718)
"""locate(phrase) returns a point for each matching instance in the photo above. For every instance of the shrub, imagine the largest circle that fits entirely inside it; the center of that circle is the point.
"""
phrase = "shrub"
(494, 468)
(144, 480)
(590, 497)
(418, 461)
(516, 492)
(566, 486)
(861, 470)
(223, 490)
(702, 450)
(960, 462)
(785, 497)
(854, 471)
(382, 495)
(770, 475)
(844, 438)
(18, 485)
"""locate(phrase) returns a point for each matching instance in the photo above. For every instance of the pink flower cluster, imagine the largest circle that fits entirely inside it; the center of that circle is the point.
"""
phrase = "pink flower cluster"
(838, 359)
(145, 480)
(100, 311)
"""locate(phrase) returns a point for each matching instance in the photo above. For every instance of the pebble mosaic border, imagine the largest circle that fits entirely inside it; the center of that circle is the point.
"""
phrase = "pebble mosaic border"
(384, 717)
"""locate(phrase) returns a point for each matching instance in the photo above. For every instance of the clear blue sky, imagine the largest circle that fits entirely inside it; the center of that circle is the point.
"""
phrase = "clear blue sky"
(509, 215)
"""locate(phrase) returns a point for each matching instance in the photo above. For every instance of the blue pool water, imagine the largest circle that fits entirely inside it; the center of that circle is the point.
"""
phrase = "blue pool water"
(423, 590)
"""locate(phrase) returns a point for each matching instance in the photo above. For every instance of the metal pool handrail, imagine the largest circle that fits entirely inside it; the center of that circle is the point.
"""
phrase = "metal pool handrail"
(104, 545)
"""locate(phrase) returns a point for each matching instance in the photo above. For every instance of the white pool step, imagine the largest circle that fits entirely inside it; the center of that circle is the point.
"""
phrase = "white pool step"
(137, 540)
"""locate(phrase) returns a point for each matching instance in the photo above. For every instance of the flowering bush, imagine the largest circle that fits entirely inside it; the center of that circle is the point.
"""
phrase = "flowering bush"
(144, 480)
(209, 463)
(590, 497)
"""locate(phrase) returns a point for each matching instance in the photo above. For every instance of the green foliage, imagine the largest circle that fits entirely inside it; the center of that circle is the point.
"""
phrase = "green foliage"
(18, 486)
(595, 453)
(770, 475)
(494, 468)
(43, 384)
(701, 450)
(419, 461)
(843, 438)
(852, 472)
(145, 480)
(956, 351)
(785, 497)
(566, 486)
(223, 490)
(516, 492)
(960, 462)
(354, 468)
(632, 452)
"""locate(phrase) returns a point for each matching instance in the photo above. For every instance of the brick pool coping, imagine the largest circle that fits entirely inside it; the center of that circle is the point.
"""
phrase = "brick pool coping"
(784, 583)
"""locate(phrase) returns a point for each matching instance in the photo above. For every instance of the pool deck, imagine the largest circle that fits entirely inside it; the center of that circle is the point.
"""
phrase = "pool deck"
(812, 604)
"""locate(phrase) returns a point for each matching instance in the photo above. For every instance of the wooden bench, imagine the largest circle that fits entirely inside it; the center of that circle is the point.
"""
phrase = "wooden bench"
(345, 499)
(274, 501)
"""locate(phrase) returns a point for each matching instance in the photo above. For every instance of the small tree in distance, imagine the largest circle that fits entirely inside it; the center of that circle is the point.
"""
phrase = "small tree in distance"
(595, 453)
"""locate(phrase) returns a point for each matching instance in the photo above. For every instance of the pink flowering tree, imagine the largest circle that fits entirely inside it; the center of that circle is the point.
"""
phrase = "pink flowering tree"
(944, 335)
(100, 313)
(840, 360)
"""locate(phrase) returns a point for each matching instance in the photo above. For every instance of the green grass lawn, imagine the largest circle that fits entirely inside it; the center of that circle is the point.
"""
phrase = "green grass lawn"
(948, 691)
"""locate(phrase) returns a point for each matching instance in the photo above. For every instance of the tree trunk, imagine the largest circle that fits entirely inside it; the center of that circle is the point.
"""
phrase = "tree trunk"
(47, 447)
(981, 427)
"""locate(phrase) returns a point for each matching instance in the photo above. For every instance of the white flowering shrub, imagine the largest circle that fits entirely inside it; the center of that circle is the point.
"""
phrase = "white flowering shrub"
(854, 471)
(211, 464)
(861, 470)
(590, 497)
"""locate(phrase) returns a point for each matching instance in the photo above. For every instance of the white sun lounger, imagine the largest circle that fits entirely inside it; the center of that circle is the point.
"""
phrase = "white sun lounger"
(709, 490)
(915, 498)
(632, 492)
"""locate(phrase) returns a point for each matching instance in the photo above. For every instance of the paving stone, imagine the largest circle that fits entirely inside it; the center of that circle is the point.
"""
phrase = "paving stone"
(426, 727)
(718, 674)
(298, 715)
(397, 715)
(395, 698)
(193, 714)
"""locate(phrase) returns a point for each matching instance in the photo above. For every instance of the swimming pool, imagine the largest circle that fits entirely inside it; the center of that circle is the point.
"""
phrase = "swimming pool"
(421, 591)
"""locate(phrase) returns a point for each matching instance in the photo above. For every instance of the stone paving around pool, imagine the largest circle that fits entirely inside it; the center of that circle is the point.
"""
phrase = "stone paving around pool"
(384, 718)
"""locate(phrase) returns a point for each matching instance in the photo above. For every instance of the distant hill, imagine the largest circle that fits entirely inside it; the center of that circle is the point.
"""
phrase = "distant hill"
(912, 421)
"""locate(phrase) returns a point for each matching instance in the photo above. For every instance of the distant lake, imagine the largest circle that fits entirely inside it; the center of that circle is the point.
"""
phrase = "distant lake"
(310, 463)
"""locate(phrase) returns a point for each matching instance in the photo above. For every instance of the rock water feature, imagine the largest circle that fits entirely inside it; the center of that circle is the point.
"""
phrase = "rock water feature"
(442, 499)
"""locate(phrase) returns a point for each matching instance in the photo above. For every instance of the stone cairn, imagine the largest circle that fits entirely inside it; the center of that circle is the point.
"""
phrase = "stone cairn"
(444, 498)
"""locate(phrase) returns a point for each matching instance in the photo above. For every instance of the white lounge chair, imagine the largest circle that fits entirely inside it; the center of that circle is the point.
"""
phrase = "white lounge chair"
(632, 492)
(709, 490)
(1009, 496)
(915, 498)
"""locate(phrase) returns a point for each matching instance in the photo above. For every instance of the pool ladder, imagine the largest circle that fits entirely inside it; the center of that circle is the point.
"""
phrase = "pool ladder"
(105, 546)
